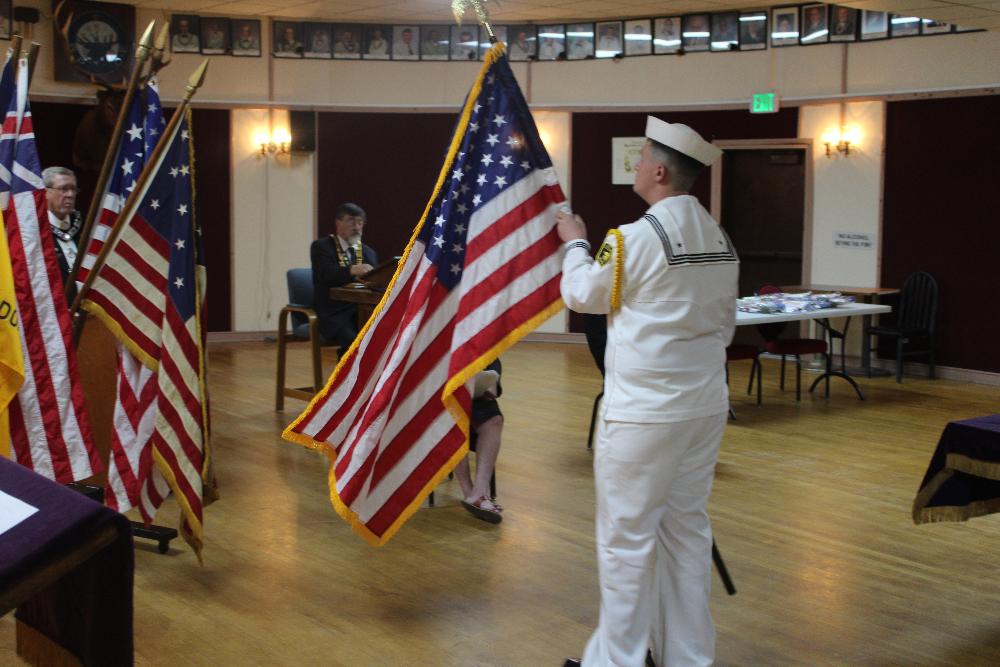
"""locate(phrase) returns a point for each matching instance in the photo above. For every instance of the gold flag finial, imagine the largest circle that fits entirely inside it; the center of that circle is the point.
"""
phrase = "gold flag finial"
(458, 8)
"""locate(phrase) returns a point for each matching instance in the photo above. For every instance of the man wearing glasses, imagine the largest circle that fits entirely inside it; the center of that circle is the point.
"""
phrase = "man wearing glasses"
(64, 219)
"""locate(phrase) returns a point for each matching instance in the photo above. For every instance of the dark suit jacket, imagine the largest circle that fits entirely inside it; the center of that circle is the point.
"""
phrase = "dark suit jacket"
(337, 319)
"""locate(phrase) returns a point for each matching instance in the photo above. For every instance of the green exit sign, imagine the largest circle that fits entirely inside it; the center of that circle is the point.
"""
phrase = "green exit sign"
(764, 103)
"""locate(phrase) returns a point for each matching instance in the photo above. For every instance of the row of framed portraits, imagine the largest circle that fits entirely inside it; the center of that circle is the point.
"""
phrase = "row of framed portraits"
(721, 31)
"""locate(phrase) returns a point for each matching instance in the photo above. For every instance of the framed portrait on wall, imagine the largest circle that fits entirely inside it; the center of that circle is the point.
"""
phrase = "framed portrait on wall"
(874, 25)
(214, 35)
(579, 41)
(638, 37)
(523, 42)
(932, 27)
(435, 44)
(609, 39)
(666, 34)
(753, 31)
(814, 27)
(5, 19)
(347, 41)
(903, 26)
(725, 36)
(286, 40)
(376, 45)
(464, 42)
(784, 26)
(405, 42)
(184, 33)
(551, 42)
(317, 40)
(695, 32)
(843, 24)
(245, 37)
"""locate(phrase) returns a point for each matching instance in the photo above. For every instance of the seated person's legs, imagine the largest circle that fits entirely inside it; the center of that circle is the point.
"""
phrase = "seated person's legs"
(487, 424)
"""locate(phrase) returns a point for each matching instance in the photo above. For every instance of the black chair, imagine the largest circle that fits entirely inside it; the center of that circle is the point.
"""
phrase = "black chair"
(305, 327)
(914, 325)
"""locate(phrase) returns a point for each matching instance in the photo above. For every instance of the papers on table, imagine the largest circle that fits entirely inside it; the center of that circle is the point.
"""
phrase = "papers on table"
(784, 302)
(13, 511)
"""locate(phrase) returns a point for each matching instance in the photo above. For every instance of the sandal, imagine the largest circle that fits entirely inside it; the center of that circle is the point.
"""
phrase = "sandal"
(483, 508)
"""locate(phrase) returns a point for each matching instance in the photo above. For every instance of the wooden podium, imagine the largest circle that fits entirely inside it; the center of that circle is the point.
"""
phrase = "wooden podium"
(367, 293)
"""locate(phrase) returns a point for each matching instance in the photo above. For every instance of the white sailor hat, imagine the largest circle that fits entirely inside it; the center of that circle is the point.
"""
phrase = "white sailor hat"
(683, 139)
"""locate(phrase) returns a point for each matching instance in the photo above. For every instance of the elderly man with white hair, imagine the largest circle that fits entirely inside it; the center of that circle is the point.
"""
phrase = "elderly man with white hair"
(668, 284)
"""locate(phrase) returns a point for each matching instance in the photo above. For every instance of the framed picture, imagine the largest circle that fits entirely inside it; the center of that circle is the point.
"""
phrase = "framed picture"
(609, 39)
(5, 18)
(245, 37)
(667, 34)
(286, 41)
(376, 45)
(724, 31)
(903, 26)
(464, 42)
(347, 41)
(753, 31)
(695, 32)
(101, 38)
(484, 38)
(625, 155)
(435, 44)
(551, 42)
(815, 27)
(784, 26)
(317, 40)
(214, 35)
(843, 24)
(932, 27)
(405, 42)
(184, 30)
(523, 42)
(874, 25)
(579, 41)
(638, 37)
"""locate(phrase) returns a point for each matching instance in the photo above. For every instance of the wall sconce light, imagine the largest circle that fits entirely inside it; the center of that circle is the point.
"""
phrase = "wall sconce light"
(273, 144)
(842, 140)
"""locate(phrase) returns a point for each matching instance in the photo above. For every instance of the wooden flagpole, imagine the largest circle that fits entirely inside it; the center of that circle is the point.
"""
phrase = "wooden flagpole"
(141, 55)
(150, 170)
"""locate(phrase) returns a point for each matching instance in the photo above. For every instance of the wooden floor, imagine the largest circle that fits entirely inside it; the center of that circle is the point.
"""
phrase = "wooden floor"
(811, 511)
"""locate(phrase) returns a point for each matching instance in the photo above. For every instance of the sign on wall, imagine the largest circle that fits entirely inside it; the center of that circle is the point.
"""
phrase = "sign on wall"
(625, 154)
(856, 240)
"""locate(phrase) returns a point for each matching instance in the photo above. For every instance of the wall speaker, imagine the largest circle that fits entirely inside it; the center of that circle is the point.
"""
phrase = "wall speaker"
(303, 130)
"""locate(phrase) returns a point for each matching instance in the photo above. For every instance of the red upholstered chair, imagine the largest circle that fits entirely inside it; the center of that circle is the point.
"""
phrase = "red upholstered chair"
(790, 347)
(742, 352)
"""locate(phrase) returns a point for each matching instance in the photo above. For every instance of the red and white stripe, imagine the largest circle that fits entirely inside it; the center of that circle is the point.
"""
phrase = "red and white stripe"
(49, 428)
(383, 418)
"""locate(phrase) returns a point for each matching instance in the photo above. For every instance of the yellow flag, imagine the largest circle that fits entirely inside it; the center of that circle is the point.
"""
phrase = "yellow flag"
(11, 357)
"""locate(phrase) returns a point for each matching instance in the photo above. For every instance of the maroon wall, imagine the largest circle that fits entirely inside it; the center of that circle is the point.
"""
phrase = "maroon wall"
(386, 163)
(603, 205)
(55, 125)
(940, 215)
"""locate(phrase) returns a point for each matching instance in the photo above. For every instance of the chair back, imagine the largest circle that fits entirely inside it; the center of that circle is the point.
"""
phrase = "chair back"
(300, 293)
(918, 303)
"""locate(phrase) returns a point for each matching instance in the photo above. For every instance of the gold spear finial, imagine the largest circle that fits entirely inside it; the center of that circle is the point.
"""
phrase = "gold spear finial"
(145, 46)
(197, 78)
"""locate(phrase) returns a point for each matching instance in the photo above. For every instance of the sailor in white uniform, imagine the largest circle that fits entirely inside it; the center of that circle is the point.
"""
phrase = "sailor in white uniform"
(668, 283)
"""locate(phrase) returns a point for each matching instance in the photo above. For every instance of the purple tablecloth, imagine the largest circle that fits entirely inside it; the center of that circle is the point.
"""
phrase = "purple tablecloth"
(88, 612)
(963, 478)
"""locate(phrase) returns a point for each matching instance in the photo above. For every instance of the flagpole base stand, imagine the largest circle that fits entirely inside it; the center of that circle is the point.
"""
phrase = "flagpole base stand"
(158, 534)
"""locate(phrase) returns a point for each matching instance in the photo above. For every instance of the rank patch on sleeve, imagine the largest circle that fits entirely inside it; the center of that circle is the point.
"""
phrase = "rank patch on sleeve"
(604, 254)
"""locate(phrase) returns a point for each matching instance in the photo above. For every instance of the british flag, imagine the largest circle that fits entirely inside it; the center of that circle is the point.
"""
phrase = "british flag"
(481, 271)
(149, 293)
(49, 428)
